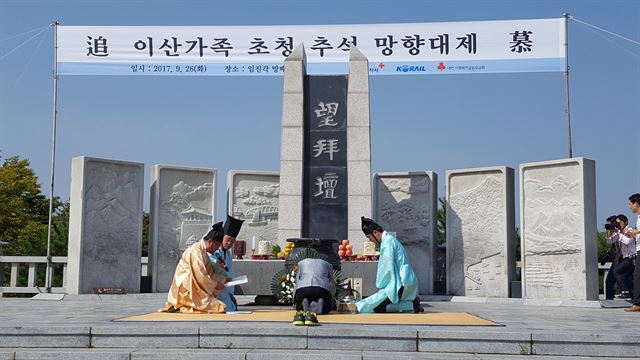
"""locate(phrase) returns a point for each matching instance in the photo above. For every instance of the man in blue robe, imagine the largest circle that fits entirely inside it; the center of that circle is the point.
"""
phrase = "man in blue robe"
(223, 258)
(395, 277)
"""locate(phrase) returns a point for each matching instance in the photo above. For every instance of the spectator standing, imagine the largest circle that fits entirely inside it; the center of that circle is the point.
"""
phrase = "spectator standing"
(614, 254)
(624, 270)
(634, 206)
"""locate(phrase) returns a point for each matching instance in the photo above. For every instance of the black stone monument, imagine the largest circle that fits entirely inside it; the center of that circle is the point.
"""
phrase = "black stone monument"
(324, 196)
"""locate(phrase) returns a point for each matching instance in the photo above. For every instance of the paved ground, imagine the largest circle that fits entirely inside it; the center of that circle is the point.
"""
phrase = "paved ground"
(90, 310)
(82, 327)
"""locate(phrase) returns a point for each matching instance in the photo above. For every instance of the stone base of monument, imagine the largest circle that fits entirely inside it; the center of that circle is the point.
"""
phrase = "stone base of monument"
(145, 284)
(516, 289)
(439, 287)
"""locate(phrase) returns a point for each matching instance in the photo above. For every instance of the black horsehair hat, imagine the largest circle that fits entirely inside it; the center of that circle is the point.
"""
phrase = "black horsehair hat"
(216, 233)
(232, 226)
(368, 226)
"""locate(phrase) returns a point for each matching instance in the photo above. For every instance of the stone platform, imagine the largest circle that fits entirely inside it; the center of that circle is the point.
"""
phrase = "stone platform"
(81, 327)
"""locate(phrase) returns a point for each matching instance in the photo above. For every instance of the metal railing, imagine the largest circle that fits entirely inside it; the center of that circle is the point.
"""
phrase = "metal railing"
(34, 286)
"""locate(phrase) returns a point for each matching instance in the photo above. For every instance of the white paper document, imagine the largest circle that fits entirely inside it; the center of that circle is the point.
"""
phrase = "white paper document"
(242, 279)
(239, 312)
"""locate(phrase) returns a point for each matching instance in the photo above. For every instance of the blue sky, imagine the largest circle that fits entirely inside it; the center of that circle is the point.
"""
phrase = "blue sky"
(418, 123)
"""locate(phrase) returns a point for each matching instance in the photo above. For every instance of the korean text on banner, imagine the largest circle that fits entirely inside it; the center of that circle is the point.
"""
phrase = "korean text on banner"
(392, 49)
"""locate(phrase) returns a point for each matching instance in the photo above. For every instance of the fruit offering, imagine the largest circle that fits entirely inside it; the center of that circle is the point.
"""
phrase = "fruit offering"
(345, 250)
(288, 247)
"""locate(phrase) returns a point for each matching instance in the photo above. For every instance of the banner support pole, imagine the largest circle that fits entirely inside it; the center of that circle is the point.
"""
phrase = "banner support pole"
(48, 270)
(566, 77)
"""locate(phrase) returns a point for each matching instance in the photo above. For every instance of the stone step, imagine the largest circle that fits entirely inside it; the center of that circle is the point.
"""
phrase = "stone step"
(329, 337)
(254, 354)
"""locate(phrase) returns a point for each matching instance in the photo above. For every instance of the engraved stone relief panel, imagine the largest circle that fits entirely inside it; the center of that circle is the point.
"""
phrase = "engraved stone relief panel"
(253, 197)
(404, 203)
(109, 224)
(478, 261)
(553, 234)
(181, 214)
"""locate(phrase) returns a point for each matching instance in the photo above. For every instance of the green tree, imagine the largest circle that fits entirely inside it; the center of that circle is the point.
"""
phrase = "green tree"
(145, 234)
(24, 217)
(24, 210)
(602, 244)
(442, 221)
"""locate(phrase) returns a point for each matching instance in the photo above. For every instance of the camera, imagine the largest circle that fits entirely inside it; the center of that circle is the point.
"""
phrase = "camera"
(614, 226)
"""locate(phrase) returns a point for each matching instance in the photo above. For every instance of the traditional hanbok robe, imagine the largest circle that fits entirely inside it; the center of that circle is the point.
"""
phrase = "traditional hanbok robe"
(225, 294)
(195, 283)
(394, 271)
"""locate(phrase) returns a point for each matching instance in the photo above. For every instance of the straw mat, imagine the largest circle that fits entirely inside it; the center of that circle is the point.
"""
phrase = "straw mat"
(427, 318)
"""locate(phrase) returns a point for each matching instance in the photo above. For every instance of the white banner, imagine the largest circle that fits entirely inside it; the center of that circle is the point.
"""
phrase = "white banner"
(392, 49)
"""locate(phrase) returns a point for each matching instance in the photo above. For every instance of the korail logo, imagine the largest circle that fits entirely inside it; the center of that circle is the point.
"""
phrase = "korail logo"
(407, 68)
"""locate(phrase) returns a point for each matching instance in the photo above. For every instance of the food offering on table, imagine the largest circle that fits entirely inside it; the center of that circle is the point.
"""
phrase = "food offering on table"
(369, 251)
(287, 249)
(264, 251)
(345, 251)
(264, 247)
(369, 248)
(276, 252)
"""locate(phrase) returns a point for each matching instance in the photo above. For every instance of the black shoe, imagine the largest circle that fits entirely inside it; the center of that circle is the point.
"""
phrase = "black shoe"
(623, 295)
(310, 319)
(416, 305)
(298, 318)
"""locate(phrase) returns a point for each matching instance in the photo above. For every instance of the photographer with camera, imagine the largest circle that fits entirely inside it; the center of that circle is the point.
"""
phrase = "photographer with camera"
(624, 270)
(613, 255)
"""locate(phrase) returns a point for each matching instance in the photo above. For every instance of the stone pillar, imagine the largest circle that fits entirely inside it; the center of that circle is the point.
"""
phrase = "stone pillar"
(105, 225)
(182, 211)
(291, 146)
(480, 231)
(407, 204)
(358, 146)
(292, 152)
(558, 224)
(252, 196)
